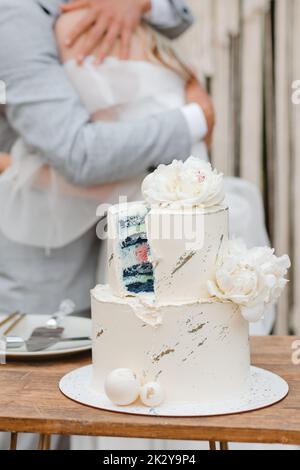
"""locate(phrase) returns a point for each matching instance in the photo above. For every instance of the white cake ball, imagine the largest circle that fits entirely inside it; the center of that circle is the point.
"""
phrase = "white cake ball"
(152, 394)
(122, 387)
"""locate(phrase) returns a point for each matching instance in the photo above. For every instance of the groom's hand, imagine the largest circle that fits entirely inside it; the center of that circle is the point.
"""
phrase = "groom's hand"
(105, 22)
(195, 93)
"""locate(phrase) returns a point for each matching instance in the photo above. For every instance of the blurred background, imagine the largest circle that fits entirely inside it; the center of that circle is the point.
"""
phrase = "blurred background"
(247, 53)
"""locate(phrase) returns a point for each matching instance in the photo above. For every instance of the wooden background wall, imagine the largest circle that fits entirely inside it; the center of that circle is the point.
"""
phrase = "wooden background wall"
(247, 53)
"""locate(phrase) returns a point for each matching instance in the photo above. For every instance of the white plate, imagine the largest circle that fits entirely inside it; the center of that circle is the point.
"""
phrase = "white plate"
(74, 327)
(266, 389)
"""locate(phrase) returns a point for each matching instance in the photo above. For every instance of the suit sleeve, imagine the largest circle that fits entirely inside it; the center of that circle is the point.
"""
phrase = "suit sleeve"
(170, 17)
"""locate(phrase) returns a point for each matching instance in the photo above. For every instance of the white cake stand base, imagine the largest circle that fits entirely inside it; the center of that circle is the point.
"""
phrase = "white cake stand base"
(266, 389)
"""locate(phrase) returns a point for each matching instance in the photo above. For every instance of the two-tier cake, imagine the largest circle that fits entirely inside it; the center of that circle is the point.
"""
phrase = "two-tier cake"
(172, 325)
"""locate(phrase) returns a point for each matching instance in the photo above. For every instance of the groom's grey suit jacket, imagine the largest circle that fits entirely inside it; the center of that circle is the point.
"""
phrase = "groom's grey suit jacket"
(44, 109)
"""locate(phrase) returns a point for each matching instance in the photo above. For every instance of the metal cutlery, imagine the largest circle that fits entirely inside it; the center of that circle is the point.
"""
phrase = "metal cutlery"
(66, 308)
(40, 343)
(17, 318)
(43, 337)
(16, 342)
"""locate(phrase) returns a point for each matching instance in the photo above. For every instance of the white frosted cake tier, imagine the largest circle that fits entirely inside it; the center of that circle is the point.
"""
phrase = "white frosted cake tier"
(171, 252)
(198, 352)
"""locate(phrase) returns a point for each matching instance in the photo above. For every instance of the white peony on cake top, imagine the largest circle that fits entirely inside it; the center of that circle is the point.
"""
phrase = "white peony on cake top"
(192, 183)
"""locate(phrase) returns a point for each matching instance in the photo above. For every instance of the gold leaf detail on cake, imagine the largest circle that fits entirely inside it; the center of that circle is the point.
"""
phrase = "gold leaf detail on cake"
(197, 328)
(157, 375)
(183, 260)
(166, 352)
(100, 333)
(223, 332)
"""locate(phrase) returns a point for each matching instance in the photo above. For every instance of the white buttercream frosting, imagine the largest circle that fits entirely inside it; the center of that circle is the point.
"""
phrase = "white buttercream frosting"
(145, 306)
(250, 278)
(191, 183)
(145, 309)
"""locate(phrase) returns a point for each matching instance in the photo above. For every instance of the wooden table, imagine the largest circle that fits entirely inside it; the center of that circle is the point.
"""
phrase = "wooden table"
(30, 401)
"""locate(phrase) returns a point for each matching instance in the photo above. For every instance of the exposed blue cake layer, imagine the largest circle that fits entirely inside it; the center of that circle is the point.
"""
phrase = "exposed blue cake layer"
(139, 269)
(134, 240)
(132, 221)
(136, 266)
(141, 287)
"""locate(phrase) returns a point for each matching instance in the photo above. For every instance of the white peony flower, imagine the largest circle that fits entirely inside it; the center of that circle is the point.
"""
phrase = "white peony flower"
(190, 183)
(250, 278)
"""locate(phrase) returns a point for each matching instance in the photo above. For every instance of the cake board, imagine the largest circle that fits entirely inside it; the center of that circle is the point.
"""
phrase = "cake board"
(266, 389)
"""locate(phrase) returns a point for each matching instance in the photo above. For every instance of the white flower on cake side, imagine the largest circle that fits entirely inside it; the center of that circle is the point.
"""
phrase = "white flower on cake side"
(252, 278)
(184, 184)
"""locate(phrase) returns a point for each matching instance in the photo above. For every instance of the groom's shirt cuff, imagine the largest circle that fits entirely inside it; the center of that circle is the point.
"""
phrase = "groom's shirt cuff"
(162, 13)
(196, 121)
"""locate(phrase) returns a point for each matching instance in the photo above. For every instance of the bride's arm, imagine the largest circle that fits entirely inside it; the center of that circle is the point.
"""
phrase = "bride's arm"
(5, 162)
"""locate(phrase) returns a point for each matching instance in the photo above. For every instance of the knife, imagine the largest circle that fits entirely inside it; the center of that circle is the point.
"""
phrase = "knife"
(39, 344)
(52, 329)
(42, 338)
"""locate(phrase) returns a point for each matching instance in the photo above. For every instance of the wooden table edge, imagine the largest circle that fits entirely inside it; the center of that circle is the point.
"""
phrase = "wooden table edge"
(144, 431)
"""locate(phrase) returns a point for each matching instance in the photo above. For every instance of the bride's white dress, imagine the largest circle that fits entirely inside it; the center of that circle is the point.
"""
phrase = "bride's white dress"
(125, 91)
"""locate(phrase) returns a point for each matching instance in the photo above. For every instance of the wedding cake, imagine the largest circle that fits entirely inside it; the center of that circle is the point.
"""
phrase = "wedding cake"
(172, 325)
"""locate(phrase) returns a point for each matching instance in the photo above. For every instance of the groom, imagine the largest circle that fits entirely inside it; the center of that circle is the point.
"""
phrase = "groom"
(43, 108)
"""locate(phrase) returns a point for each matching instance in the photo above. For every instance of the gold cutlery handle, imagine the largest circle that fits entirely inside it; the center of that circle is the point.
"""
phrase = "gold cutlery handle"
(14, 324)
(8, 318)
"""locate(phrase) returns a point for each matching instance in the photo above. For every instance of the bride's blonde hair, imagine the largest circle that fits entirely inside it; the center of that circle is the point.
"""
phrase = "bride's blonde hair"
(160, 51)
